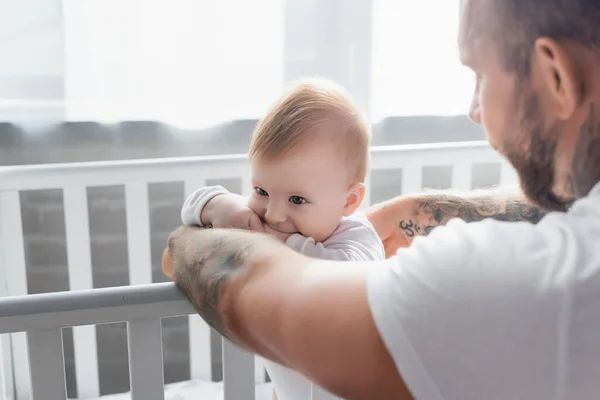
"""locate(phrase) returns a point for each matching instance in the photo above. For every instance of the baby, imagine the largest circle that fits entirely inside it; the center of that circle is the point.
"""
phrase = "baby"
(308, 159)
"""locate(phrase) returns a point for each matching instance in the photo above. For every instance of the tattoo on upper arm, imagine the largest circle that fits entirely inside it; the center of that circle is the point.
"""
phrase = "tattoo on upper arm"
(585, 167)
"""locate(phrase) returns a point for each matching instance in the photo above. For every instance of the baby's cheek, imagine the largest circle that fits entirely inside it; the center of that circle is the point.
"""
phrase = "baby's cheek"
(256, 205)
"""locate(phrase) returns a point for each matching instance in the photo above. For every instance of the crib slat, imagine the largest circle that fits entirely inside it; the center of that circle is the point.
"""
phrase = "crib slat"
(80, 278)
(318, 393)
(15, 277)
(260, 374)
(145, 359)
(412, 178)
(461, 176)
(7, 387)
(200, 351)
(47, 365)
(138, 233)
(199, 331)
(238, 378)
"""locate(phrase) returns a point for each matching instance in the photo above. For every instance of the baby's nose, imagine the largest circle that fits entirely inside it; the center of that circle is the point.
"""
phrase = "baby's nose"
(275, 215)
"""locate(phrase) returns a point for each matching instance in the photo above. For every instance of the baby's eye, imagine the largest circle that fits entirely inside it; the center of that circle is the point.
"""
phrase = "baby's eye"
(261, 192)
(297, 200)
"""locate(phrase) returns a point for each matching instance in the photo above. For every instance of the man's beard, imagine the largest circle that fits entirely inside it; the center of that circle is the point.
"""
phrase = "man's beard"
(536, 170)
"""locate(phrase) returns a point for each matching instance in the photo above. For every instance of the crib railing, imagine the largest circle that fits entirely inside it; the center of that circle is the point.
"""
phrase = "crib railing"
(42, 316)
(135, 175)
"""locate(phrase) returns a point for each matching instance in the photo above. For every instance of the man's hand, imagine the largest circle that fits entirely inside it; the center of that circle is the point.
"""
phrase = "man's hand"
(167, 263)
(231, 211)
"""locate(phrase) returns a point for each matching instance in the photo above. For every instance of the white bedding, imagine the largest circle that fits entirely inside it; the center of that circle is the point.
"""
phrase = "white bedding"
(195, 390)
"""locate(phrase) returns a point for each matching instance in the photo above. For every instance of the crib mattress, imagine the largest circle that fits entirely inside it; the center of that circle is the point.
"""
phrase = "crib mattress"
(196, 389)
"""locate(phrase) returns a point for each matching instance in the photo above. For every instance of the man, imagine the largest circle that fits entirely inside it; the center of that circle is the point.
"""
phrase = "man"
(486, 310)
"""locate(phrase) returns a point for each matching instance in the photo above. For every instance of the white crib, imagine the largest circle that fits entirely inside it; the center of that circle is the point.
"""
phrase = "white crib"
(32, 364)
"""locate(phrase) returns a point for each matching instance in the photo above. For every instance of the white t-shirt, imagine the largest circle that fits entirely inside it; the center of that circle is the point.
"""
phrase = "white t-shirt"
(497, 310)
(355, 239)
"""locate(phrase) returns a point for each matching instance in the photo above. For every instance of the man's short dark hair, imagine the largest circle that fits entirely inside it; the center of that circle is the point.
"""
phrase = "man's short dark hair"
(517, 24)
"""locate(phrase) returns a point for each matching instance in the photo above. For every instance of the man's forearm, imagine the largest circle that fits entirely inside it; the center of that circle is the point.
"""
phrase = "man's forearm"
(418, 214)
(435, 208)
(212, 267)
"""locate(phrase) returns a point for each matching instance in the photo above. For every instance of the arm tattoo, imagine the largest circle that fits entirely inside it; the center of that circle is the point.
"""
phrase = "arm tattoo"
(436, 210)
(202, 286)
(203, 276)
(585, 168)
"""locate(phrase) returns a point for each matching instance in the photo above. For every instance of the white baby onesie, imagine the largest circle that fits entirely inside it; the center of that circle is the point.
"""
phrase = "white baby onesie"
(355, 239)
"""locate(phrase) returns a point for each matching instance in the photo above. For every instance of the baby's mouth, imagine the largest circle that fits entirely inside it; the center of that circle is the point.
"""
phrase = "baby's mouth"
(286, 231)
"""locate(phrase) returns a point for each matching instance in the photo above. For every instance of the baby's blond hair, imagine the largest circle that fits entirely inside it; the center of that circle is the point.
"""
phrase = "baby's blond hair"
(309, 104)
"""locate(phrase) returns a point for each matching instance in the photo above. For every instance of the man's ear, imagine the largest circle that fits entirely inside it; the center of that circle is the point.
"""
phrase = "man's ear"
(355, 197)
(555, 69)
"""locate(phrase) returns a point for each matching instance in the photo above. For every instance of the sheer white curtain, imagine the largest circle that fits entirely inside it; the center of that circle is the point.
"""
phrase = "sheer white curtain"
(186, 62)
(200, 62)
(416, 64)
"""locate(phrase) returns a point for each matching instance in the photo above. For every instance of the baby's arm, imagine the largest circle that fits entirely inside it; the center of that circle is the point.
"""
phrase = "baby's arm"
(214, 206)
(355, 240)
(191, 212)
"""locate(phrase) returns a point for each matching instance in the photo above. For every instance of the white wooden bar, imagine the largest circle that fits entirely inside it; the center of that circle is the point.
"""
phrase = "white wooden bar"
(138, 233)
(102, 173)
(238, 373)
(97, 306)
(7, 388)
(412, 178)
(80, 277)
(461, 175)
(145, 359)
(200, 351)
(199, 331)
(105, 173)
(12, 248)
(431, 155)
(260, 373)
(47, 364)
(318, 393)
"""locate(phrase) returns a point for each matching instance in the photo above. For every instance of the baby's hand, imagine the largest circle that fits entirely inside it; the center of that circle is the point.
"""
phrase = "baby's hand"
(231, 211)
(281, 236)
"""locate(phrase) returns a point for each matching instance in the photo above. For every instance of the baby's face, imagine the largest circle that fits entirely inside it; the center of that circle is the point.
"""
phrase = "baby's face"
(303, 192)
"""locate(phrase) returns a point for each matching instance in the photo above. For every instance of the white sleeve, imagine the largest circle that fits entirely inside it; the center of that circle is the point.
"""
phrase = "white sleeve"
(193, 205)
(354, 240)
(479, 311)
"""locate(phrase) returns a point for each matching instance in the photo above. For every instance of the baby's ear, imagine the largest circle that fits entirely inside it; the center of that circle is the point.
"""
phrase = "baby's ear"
(356, 194)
